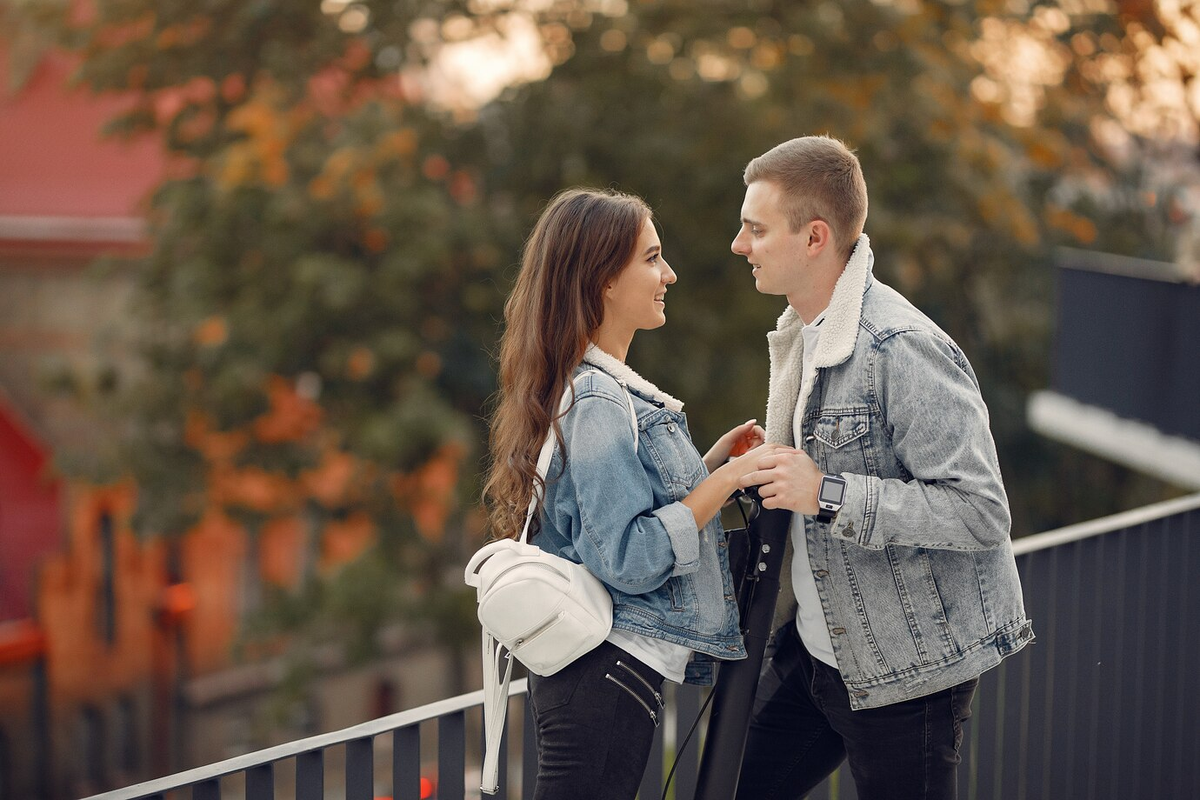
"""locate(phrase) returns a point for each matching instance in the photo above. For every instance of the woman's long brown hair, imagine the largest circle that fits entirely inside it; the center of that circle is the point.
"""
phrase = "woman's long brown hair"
(581, 242)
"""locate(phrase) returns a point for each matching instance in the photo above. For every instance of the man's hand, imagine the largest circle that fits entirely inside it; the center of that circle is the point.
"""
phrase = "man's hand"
(786, 480)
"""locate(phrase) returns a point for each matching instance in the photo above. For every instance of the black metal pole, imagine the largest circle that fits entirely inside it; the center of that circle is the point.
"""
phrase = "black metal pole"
(733, 695)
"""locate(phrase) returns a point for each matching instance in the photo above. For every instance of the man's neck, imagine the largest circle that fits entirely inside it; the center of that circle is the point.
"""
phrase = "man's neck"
(809, 307)
(817, 296)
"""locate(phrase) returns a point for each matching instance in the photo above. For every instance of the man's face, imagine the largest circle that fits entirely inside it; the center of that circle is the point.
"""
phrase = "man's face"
(777, 255)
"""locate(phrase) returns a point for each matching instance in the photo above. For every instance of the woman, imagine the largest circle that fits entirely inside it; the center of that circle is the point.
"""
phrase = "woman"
(642, 518)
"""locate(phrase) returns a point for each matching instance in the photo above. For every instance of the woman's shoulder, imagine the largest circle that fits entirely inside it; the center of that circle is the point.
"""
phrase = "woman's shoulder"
(593, 382)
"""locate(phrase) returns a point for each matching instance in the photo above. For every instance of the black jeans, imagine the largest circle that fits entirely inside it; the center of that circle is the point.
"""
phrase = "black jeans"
(802, 728)
(595, 722)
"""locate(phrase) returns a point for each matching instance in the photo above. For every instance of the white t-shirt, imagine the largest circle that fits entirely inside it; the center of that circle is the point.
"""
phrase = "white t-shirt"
(810, 617)
(667, 659)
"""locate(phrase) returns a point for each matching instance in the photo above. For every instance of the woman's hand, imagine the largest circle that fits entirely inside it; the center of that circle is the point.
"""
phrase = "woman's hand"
(736, 442)
(712, 492)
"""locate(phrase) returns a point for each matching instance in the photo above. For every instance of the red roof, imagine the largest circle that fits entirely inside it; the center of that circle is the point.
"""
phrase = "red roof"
(53, 161)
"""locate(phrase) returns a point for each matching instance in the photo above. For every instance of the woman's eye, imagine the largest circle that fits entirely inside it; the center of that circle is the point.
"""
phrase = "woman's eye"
(654, 258)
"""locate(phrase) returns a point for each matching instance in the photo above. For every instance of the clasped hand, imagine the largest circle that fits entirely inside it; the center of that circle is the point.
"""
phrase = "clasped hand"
(785, 477)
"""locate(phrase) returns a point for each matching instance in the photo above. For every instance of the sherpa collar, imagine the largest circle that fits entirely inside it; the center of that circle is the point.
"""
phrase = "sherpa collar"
(838, 335)
(625, 374)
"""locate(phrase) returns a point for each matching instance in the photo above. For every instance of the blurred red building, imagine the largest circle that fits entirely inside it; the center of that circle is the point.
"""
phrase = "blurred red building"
(116, 653)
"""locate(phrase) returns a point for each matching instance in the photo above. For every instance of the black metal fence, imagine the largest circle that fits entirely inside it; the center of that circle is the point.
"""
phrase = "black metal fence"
(1100, 706)
(1128, 339)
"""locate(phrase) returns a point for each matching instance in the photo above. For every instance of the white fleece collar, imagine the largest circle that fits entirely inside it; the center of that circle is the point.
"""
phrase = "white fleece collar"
(625, 374)
(839, 332)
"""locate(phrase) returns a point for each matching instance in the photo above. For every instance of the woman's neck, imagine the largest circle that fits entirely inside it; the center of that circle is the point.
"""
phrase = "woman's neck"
(614, 343)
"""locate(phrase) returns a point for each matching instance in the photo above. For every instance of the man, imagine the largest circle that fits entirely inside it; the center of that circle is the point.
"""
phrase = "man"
(903, 569)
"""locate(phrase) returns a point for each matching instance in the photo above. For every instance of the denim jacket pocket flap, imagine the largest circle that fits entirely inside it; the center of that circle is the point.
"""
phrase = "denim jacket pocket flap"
(837, 428)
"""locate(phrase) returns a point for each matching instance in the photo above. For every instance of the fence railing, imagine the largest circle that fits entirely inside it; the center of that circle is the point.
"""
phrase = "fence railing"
(1101, 706)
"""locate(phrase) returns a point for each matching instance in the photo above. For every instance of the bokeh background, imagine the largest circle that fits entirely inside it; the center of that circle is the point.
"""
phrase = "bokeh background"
(253, 258)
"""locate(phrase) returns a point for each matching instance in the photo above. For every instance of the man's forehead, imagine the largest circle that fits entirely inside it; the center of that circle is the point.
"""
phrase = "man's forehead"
(762, 200)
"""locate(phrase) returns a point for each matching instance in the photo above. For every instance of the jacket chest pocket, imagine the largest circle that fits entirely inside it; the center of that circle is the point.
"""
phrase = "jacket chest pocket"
(843, 439)
(678, 462)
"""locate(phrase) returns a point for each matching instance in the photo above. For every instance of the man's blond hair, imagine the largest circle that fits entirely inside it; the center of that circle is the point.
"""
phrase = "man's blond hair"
(820, 178)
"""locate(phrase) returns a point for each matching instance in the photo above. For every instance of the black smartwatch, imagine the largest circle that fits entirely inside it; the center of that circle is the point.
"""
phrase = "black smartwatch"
(830, 497)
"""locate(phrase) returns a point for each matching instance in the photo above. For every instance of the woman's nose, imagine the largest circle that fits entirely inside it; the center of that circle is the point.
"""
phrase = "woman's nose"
(669, 275)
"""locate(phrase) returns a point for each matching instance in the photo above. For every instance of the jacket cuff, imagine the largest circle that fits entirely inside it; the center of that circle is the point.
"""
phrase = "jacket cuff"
(851, 523)
(681, 529)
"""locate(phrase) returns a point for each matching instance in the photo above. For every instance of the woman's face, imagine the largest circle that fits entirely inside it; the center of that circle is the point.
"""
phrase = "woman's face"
(636, 299)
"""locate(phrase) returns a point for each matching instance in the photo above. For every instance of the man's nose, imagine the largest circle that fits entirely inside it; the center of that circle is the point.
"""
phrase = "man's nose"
(737, 245)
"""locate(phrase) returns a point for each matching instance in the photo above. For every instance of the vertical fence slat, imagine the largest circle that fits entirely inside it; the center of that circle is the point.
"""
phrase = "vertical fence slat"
(310, 775)
(1068, 666)
(1112, 609)
(260, 782)
(360, 769)
(1096, 666)
(529, 760)
(687, 761)
(207, 790)
(406, 763)
(451, 756)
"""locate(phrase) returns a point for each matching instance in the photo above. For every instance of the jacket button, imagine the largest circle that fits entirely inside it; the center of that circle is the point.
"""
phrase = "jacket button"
(671, 427)
(837, 631)
(860, 693)
(821, 573)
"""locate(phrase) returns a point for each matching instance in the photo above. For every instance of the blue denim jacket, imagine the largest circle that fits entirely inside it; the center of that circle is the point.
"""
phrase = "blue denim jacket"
(916, 573)
(617, 512)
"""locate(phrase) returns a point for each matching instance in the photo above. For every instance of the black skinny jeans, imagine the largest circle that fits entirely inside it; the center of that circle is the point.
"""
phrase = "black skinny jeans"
(595, 721)
(803, 728)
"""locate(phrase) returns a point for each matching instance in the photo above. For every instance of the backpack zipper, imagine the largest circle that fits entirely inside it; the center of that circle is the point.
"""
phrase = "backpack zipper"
(536, 632)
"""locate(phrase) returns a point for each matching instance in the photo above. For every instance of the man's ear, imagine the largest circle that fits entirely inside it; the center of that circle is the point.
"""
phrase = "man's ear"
(819, 237)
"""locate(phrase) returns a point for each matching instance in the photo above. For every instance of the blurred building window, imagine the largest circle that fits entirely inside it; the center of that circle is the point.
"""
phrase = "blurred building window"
(106, 588)
(127, 735)
(386, 698)
(93, 748)
(6, 780)
(252, 589)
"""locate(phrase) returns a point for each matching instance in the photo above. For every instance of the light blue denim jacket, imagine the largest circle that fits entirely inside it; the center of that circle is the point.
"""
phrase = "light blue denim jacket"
(916, 573)
(618, 512)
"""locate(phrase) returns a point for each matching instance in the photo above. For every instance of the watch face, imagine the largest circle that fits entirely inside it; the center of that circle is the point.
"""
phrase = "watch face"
(832, 491)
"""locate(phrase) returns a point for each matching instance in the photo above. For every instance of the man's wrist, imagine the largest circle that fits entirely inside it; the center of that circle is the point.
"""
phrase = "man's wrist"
(831, 495)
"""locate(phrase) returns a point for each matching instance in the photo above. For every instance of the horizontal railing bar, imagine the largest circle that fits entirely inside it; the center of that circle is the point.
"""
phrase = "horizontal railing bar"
(1096, 527)
(321, 741)
(1123, 266)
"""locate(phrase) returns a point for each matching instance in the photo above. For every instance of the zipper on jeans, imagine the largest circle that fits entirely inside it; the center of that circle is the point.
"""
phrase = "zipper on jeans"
(657, 697)
(536, 632)
(635, 696)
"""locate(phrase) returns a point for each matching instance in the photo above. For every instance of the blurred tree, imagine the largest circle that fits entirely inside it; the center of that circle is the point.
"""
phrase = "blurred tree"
(313, 319)
(333, 247)
(967, 129)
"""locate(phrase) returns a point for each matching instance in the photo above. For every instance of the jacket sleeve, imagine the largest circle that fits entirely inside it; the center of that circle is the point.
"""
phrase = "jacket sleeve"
(938, 424)
(606, 502)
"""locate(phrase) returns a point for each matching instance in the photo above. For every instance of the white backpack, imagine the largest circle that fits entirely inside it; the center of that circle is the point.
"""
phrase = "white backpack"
(545, 610)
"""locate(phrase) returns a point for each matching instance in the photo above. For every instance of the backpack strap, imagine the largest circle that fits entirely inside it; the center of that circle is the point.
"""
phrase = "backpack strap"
(495, 710)
(547, 451)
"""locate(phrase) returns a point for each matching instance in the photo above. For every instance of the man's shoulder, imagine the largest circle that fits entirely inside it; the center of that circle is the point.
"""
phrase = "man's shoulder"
(886, 313)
